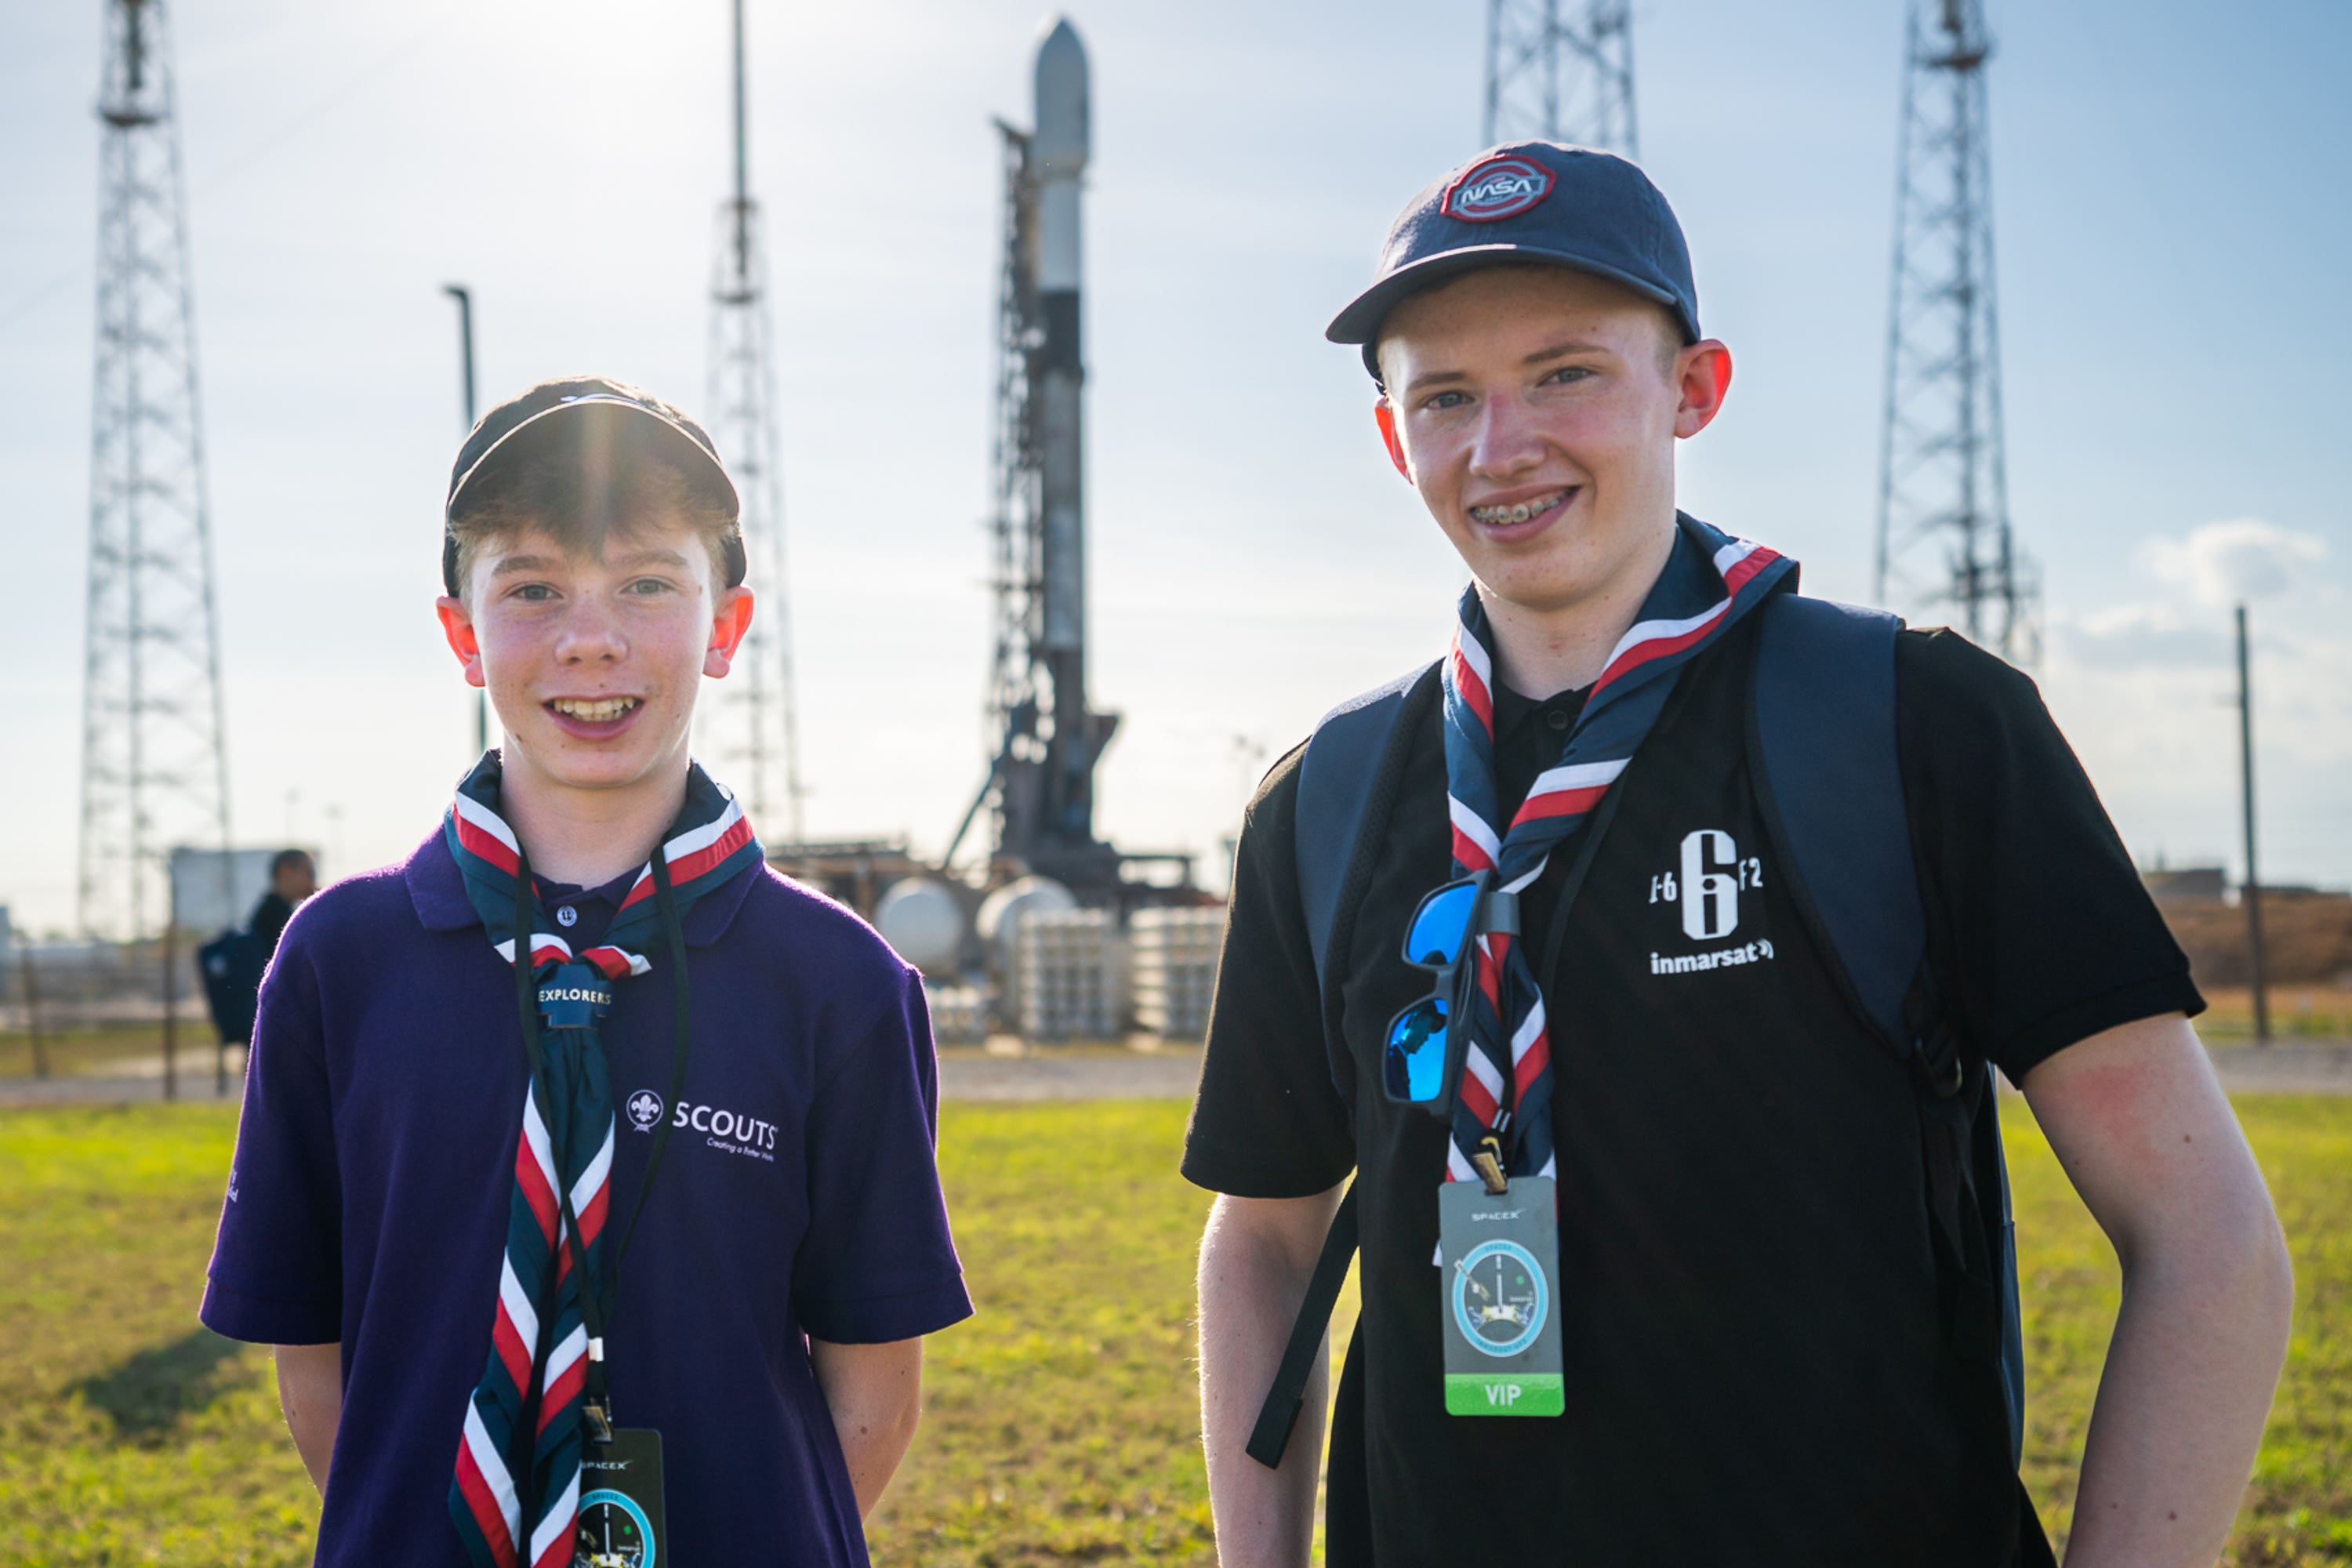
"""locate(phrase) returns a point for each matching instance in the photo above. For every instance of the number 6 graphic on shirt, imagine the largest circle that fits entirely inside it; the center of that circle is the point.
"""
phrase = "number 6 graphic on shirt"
(1711, 884)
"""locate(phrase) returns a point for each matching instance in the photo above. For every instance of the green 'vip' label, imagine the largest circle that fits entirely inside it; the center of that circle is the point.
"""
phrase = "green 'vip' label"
(1499, 1257)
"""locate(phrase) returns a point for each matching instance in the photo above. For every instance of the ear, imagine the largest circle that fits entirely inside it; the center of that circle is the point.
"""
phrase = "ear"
(728, 624)
(1385, 416)
(457, 625)
(1703, 377)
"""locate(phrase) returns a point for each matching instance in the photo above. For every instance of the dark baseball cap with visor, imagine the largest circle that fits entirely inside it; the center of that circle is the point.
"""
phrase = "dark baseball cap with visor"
(1530, 202)
(587, 419)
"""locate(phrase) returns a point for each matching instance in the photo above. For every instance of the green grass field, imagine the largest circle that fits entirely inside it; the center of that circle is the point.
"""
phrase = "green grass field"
(1060, 1424)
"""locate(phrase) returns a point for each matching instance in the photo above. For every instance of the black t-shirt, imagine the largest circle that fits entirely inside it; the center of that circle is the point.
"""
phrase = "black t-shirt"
(1757, 1365)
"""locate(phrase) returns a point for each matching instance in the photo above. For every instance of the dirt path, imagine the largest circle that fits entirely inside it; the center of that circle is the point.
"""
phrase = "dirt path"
(2305, 1067)
(2300, 1066)
(1087, 1073)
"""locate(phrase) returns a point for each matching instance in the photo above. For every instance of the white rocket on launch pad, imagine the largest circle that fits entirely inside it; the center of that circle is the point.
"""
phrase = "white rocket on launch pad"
(1040, 786)
(1057, 158)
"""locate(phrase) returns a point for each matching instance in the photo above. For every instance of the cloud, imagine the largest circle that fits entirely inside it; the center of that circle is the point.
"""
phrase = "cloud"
(2228, 562)
(2138, 637)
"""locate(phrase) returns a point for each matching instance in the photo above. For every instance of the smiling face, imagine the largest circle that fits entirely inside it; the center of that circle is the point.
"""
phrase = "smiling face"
(1536, 410)
(593, 654)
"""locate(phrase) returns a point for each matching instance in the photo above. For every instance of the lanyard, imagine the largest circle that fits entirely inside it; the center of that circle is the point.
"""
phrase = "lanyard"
(598, 1296)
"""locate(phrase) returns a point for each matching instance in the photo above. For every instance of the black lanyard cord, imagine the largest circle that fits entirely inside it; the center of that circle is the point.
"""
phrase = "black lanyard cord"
(666, 900)
(597, 1297)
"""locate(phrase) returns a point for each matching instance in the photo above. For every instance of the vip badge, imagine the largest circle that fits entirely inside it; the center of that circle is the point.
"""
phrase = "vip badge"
(1499, 1253)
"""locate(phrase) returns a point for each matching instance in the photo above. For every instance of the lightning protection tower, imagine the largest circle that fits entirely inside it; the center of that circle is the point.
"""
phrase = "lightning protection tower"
(154, 772)
(1944, 539)
(1564, 77)
(1046, 739)
(759, 726)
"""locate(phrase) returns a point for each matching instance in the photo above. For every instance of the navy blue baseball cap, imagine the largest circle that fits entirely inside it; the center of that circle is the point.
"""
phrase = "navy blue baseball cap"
(1529, 202)
(574, 416)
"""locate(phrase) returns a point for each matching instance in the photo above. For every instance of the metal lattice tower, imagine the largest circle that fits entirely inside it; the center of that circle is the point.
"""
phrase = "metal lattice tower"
(757, 713)
(1016, 517)
(1563, 79)
(1943, 538)
(154, 771)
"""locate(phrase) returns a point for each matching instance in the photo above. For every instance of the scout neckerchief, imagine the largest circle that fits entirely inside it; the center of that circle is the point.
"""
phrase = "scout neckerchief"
(1710, 581)
(516, 1496)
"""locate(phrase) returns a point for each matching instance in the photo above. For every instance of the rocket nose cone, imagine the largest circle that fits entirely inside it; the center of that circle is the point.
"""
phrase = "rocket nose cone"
(1060, 43)
(1062, 133)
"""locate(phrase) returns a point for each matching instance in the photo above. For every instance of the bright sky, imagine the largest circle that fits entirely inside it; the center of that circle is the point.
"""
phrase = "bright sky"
(2173, 199)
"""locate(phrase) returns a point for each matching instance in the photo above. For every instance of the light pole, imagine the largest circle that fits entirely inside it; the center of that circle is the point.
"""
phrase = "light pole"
(458, 293)
(2252, 891)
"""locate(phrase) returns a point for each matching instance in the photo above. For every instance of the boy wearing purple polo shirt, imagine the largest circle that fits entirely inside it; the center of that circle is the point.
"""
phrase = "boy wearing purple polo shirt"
(623, 1252)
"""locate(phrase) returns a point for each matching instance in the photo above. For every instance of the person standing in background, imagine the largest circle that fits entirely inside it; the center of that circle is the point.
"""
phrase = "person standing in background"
(293, 876)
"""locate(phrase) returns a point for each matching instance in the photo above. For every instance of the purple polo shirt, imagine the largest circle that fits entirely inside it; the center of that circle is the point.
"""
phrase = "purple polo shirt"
(798, 1197)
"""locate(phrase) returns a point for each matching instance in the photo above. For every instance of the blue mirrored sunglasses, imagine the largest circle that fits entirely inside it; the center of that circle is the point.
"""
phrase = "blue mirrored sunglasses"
(1421, 1060)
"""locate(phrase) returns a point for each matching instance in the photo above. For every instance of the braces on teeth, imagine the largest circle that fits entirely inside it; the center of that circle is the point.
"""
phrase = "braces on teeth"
(1519, 513)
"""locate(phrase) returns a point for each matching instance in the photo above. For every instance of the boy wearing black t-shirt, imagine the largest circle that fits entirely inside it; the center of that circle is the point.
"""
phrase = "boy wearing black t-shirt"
(586, 1179)
(1751, 1359)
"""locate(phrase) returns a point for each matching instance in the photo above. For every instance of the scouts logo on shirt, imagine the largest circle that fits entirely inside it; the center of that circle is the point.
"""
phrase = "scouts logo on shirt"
(645, 1110)
(730, 1132)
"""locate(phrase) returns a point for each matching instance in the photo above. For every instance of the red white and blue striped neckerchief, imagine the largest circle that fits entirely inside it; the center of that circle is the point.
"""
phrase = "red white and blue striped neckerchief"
(1710, 581)
(539, 1337)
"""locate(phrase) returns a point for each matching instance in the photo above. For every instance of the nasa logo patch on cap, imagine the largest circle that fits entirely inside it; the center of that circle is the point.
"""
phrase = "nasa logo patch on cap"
(1497, 189)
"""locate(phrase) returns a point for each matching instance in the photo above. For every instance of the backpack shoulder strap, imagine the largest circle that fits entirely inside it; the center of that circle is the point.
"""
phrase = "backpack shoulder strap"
(1350, 764)
(1280, 1414)
(1338, 778)
(1822, 743)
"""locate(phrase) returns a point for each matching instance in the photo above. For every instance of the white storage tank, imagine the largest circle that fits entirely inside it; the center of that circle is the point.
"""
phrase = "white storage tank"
(1002, 913)
(922, 920)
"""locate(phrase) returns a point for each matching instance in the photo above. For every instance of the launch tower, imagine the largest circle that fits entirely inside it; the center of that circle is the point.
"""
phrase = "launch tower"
(154, 772)
(1944, 540)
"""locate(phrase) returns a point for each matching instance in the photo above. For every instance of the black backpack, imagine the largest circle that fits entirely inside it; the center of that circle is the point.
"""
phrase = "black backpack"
(230, 966)
(1822, 746)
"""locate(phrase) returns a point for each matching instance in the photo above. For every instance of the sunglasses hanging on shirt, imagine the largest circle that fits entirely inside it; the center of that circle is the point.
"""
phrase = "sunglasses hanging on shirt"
(1421, 1061)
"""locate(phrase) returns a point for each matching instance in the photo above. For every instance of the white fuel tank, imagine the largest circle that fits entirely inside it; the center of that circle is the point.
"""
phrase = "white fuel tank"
(922, 920)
